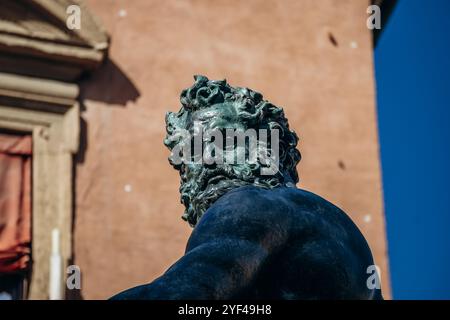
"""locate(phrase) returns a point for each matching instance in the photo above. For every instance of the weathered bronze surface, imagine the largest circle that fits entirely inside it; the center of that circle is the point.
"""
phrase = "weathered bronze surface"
(255, 236)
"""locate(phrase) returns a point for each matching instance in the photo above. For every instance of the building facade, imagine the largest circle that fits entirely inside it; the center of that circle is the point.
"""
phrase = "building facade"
(100, 170)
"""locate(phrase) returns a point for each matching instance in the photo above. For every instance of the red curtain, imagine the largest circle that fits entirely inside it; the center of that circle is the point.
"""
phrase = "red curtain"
(15, 202)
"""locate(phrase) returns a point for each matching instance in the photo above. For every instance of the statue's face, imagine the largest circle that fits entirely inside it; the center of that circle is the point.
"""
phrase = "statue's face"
(205, 179)
(220, 116)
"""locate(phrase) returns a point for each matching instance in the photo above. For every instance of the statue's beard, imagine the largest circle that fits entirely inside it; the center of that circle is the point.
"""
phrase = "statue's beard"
(207, 185)
(203, 188)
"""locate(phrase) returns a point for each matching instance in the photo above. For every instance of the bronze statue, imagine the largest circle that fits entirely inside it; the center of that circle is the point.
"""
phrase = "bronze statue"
(256, 235)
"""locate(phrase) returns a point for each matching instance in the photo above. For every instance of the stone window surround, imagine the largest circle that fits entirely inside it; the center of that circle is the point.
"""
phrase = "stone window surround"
(40, 66)
(47, 110)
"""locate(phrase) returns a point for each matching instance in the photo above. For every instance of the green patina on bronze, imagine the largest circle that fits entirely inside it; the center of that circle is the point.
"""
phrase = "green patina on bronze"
(217, 105)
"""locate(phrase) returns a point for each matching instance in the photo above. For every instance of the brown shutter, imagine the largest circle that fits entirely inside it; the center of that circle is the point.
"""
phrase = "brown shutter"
(15, 202)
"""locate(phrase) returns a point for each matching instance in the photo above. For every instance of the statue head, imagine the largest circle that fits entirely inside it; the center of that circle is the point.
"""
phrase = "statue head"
(212, 111)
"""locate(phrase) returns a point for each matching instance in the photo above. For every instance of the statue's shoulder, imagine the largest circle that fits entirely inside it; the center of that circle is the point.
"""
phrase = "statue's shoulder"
(262, 198)
(276, 204)
(246, 213)
(256, 213)
(284, 206)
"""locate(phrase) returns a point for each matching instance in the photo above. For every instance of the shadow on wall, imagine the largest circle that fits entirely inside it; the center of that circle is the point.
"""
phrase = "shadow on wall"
(109, 84)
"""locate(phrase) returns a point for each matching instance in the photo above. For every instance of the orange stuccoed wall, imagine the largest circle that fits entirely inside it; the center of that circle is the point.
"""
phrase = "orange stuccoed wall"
(313, 58)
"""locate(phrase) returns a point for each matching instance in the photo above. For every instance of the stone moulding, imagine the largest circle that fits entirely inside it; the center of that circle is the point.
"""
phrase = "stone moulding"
(34, 40)
(41, 61)
(55, 138)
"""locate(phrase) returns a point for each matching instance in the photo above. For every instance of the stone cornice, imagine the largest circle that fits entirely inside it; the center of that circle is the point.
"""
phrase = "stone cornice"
(35, 41)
